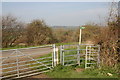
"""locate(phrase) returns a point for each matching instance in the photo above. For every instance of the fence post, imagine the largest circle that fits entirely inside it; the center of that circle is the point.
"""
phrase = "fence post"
(57, 59)
(98, 61)
(89, 52)
(17, 63)
(54, 55)
(78, 55)
(63, 54)
(86, 57)
(1, 74)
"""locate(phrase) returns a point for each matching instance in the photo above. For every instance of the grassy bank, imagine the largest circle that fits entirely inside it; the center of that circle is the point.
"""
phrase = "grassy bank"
(77, 72)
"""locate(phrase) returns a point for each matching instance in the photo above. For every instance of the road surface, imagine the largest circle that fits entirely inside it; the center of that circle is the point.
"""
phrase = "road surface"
(33, 52)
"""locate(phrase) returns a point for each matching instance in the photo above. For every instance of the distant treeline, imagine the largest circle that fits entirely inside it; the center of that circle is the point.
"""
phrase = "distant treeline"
(37, 32)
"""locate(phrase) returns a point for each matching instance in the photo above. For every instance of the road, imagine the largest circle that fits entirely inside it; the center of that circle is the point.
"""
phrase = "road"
(33, 52)
(38, 51)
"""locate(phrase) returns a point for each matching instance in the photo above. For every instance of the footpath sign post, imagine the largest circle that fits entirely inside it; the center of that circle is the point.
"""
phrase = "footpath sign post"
(80, 38)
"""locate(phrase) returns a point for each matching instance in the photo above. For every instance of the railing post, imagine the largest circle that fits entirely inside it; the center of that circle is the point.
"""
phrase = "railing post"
(57, 59)
(17, 61)
(89, 52)
(86, 57)
(1, 65)
(54, 55)
(78, 55)
(98, 61)
(63, 54)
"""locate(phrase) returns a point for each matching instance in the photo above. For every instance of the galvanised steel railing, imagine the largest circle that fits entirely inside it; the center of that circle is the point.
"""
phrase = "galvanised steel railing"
(86, 54)
(19, 64)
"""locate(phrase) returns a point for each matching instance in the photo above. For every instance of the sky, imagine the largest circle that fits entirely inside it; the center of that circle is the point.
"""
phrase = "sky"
(58, 13)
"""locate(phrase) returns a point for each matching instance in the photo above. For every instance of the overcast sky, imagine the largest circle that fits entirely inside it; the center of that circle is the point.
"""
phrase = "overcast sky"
(58, 13)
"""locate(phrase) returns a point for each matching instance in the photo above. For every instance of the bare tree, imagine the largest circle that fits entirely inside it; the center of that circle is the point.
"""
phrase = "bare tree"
(108, 39)
(11, 30)
(37, 32)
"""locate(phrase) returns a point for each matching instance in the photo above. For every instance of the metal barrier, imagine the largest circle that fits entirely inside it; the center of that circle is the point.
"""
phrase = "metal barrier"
(21, 64)
(86, 54)
(31, 61)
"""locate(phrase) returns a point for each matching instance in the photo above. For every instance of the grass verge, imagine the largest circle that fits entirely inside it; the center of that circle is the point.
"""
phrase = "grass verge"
(71, 72)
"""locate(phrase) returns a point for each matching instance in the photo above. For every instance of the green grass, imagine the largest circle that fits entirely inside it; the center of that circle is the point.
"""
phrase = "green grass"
(70, 72)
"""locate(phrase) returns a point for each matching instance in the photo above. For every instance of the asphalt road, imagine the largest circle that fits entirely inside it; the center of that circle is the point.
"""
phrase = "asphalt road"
(34, 53)
(38, 51)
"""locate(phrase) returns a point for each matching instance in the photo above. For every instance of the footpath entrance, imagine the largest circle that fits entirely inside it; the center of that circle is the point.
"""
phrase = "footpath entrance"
(21, 64)
(86, 54)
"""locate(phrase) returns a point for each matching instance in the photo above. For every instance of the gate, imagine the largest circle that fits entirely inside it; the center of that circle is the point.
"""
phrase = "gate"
(84, 54)
(35, 60)
(27, 61)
